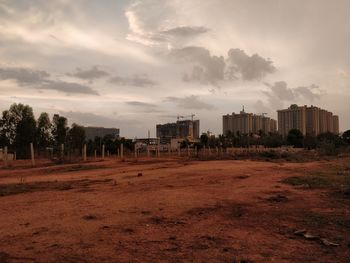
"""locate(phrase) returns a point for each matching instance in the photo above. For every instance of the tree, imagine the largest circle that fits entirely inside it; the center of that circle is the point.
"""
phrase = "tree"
(346, 137)
(76, 136)
(18, 127)
(44, 131)
(59, 129)
(295, 138)
(204, 139)
(7, 129)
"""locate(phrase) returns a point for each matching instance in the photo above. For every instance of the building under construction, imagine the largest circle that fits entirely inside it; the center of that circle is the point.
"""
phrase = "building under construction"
(182, 129)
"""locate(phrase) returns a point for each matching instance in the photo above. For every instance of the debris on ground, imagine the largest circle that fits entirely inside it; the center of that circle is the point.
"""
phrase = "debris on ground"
(307, 235)
(139, 174)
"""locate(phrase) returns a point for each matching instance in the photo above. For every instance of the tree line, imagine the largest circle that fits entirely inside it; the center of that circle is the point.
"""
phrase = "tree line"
(328, 143)
(19, 128)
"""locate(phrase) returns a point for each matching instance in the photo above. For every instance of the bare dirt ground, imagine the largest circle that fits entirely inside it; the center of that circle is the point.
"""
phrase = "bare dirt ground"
(173, 210)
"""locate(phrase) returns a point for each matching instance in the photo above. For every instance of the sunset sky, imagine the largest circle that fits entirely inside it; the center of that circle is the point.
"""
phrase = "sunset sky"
(133, 64)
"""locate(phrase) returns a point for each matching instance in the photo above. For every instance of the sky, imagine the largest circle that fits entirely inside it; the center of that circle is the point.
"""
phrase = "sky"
(132, 64)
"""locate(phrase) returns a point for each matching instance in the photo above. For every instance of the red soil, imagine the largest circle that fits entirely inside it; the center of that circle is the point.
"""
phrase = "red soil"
(177, 211)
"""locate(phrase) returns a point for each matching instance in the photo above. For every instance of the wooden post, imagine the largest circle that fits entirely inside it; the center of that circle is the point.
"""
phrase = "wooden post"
(121, 151)
(108, 153)
(103, 151)
(15, 156)
(84, 151)
(32, 154)
(148, 153)
(169, 149)
(117, 153)
(62, 152)
(209, 151)
(158, 150)
(217, 151)
(204, 151)
(95, 154)
(5, 156)
(195, 151)
(188, 151)
(135, 151)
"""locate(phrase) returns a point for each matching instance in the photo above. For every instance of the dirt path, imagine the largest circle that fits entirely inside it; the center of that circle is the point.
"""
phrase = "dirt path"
(177, 211)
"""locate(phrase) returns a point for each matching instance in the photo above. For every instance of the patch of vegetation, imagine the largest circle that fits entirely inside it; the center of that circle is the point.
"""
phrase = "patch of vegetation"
(20, 188)
(336, 178)
(320, 220)
(307, 181)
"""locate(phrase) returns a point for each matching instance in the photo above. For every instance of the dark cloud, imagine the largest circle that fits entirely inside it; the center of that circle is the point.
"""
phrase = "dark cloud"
(185, 31)
(24, 76)
(68, 87)
(37, 79)
(136, 80)
(190, 102)
(141, 104)
(240, 65)
(89, 74)
(211, 69)
(308, 92)
(207, 68)
(144, 107)
(279, 92)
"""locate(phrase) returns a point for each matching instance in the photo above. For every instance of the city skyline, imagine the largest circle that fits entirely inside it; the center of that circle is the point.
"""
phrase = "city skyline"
(133, 64)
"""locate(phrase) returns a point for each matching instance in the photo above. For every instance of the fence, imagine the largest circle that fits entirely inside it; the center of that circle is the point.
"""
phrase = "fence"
(63, 155)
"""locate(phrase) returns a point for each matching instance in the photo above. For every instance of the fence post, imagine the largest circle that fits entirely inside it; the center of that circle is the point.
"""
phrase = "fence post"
(148, 153)
(95, 153)
(32, 154)
(5, 156)
(103, 151)
(158, 150)
(84, 151)
(188, 151)
(135, 151)
(117, 153)
(169, 149)
(121, 151)
(62, 152)
(195, 151)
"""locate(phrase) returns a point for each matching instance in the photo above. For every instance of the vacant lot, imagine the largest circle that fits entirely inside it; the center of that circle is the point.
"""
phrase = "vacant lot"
(175, 210)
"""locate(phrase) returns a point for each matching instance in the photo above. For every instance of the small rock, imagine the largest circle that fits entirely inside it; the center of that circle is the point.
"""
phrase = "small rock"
(139, 174)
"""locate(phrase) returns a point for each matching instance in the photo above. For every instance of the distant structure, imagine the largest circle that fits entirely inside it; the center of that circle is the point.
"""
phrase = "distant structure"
(246, 123)
(309, 120)
(182, 129)
(92, 132)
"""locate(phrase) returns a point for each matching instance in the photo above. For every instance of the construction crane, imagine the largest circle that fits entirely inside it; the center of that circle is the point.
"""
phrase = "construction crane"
(187, 116)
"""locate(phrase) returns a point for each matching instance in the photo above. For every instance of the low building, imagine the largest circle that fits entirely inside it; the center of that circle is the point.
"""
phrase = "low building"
(92, 132)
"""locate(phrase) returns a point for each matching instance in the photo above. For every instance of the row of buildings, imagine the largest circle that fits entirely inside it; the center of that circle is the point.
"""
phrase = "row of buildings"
(309, 120)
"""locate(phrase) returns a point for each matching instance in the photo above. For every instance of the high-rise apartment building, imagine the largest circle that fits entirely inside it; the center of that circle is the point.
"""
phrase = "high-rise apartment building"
(309, 120)
(246, 123)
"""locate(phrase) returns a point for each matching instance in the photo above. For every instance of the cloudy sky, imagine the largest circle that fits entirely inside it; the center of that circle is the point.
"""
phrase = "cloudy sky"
(132, 64)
